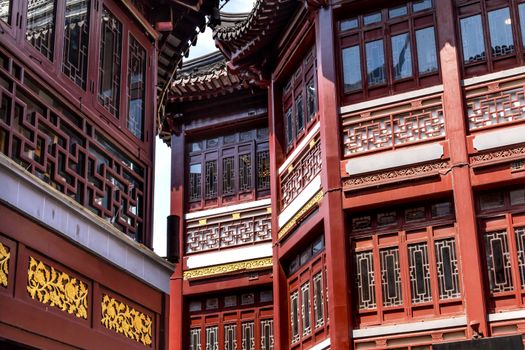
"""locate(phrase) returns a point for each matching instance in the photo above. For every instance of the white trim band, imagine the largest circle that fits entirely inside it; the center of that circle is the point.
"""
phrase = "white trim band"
(228, 209)
(410, 327)
(300, 147)
(229, 255)
(509, 315)
(499, 137)
(391, 99)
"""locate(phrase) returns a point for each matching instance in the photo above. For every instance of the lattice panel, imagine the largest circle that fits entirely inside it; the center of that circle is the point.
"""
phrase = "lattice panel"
(318, 300)
(40, 26)
(496, 108)
(364, 266)
(195, 339)
(69, 154)
(363, 133)
(228, 233)
(447, 269)
(391, 277)
(212, 338)
(267, 339)
(76, 41)
(248, 336)
(230, 337)
(520, 245)
(302, 173)
(294, 316)
(305, 309)
(498, 262)
(419, 273)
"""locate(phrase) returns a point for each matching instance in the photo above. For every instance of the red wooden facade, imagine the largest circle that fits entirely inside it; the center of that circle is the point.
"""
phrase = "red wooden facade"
(396, 171)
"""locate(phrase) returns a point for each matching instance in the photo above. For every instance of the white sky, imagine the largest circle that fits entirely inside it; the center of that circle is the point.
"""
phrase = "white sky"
(205, 44)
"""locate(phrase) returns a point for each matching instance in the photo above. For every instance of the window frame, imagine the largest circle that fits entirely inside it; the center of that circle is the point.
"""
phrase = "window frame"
(385, 29)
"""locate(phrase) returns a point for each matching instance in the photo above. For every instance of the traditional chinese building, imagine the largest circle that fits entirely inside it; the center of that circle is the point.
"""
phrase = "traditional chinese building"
(396, 142)
(79, 82)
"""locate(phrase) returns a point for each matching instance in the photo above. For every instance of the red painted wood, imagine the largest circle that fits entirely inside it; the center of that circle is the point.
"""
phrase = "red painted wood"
(339, 309)
(463, 196)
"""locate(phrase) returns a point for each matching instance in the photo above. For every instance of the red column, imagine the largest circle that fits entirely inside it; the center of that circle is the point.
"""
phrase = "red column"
(177, 327)
(456, 128)
(280, 295)
(339, 308)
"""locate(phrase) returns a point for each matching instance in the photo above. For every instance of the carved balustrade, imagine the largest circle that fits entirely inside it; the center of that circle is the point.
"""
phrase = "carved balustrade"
(237, 230)
(300, 173)
(495, 103)
(69, 152)
(392, 126)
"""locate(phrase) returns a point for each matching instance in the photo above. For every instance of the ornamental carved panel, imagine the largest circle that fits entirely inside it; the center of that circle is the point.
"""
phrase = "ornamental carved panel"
(495, 107)
(228, 233)
(387, 128)
(4, 265)
(68, 152)
(123, 319)
(300, 173)
(50, 286)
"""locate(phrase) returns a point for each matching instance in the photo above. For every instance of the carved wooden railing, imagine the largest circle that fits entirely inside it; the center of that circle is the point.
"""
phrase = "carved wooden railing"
(69, 152)
(227, 232)
(301, 172)
(392, 126)
(495, 103)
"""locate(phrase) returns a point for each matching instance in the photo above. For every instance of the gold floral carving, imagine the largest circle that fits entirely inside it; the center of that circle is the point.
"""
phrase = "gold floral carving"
(123, 319)
(311, 203)
(58, 289)
(4, 264)
(226, 268)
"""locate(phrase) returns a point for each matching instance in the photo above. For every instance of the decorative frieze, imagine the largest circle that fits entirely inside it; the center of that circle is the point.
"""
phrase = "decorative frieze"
(395, 175)
(227, 268)
(4, 265)
(508, 154)
(50, 286)
(387, 128)
(125, 320)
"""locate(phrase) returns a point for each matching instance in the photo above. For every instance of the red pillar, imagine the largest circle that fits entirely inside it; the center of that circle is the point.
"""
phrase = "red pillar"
(177, 326)
(339, 308)
(456, 128)
(280, 295)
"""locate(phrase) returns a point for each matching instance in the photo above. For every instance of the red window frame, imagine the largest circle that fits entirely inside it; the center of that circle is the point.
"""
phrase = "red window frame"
(385, 29)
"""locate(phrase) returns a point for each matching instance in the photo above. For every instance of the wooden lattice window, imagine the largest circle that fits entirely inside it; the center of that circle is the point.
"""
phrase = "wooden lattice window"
(136, 87)
(388, 50)
(40, 26)
(76, 41)
(405, 252)
(502, 226)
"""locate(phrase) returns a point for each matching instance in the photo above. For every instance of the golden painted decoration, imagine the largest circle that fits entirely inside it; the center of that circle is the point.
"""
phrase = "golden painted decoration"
(226, 268)
(56, 288)
(290, 224)
(4, 265)
(125, 320)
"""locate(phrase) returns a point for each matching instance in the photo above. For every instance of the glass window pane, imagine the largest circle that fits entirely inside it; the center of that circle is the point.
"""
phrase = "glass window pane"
(289, 127)
(375, 63)
(136, 87)
(76, 41)
(318, 300)
(520, 246)
(352, 68)
(109, 62)
(391, 277)
(212, 338)
(397, 11)
(419, 270)
(294, 316)
(491, 200)
(40, 26)
(349, 24)
(299, 115)
(5, 10)
(447, 269)
(210, 179)
(365, 280)
(421, 5)
(195, 339)
(228, 176)
(248, 337)
(426, 50)
(472, 39)
(195, 182)
(372, 18)
(517, 196)
(267, 340)
(521, 8)
(401, 56)
(263, 170)
(500, 27)
(245, 172)
(305, 309)
(498, 262)
(311, 100)
(230, 337)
